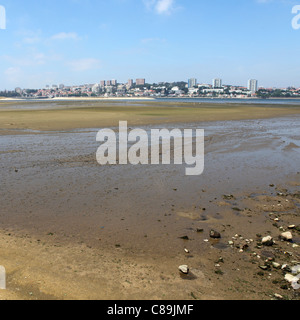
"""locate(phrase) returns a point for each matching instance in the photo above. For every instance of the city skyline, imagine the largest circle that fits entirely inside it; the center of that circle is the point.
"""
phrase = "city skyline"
(190, 83)
(160, 40)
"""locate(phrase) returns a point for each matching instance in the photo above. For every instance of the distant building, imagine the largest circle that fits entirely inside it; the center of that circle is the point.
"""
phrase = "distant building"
(252, 85)
(121, 90)
(109, 89)
(192, 83)
(140, 82)
(114, 82)
(130, 83)
(217, 83)
(108, 83)
(61, 86)
(102, 83)
(96, 88)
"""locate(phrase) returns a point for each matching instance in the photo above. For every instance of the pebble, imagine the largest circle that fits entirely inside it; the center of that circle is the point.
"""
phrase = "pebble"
(278, 296)
(184, 269)
(264, 267)
(214, 234)
(286, 268)
(267, 241)
(276, 265)
(287, 236)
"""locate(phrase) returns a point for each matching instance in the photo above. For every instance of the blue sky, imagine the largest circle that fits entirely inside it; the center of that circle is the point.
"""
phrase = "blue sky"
(85, 41)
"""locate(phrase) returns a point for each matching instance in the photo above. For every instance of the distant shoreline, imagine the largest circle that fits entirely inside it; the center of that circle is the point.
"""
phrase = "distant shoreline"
(77, 99)
(137, 98)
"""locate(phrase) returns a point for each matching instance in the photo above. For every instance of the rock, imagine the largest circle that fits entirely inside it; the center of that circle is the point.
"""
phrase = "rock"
(296, 269)
(186, 251)
(264, 267)
(184, 269)
(228, 197)
(287, 236)
(214, 234)
(289, 277)
(200, 230)
(244, 246)
(276, 265)
(184, 238)
(267, 241)
(231, 243)
(286, 268)
(292, 226)
(278, 296)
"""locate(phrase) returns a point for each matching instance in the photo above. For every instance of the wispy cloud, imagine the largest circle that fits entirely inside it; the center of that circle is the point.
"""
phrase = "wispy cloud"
(65, 36)
(160, 6)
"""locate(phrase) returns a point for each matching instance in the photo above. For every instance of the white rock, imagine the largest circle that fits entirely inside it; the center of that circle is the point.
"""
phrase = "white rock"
(276, 265)
(296, 269)
(278, 296)
(287, 236)
(289, 277)
(267, 241)
(184, 269)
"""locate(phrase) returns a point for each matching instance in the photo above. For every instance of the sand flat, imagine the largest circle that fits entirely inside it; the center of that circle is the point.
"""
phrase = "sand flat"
(72, 115)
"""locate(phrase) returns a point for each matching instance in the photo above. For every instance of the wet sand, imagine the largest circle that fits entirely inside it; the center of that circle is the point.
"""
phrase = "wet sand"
(78, 115)
(70, 229)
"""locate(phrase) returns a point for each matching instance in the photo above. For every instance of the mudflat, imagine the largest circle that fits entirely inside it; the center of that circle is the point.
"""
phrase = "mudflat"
(71, 229)
(74, 115)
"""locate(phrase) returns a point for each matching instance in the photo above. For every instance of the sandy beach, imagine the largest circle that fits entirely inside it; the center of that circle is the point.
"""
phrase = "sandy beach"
(72, 229)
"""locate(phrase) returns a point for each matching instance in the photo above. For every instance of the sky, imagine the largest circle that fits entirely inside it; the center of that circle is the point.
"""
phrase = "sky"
(75, 42)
